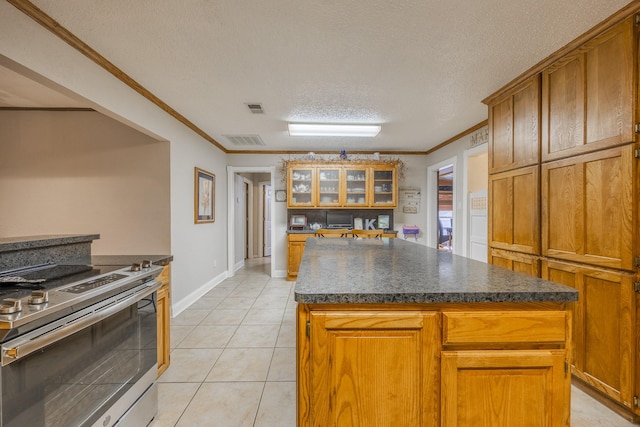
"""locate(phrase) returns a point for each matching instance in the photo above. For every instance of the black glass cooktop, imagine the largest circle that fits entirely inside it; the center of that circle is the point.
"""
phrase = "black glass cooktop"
(47, 277)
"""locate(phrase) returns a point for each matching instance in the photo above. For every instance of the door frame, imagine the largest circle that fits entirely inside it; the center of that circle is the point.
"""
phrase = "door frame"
(231, 172)
(261, 210)
(432, 204)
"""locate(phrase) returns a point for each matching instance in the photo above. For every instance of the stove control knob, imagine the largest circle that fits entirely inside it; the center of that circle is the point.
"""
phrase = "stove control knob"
(39, 297)
(146, 263)
(135, 267)
(10, 305)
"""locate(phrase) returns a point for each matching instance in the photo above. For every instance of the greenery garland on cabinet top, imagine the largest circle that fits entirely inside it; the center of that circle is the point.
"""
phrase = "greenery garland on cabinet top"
(353, 159)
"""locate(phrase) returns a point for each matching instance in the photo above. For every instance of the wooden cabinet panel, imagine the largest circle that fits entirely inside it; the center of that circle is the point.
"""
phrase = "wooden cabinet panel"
(504, 327)
(374, 368)
(295, 249)
(479, 383)
(588, 96)
(587, 208)
(514, 218)
(515, 261)
(514, 128)
(603, 326)
(164, 319)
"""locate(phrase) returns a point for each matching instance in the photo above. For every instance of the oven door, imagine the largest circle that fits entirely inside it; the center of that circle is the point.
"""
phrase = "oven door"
(74, 371)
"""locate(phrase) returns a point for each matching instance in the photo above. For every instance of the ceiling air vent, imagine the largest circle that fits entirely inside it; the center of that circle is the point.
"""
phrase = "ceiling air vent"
(255, 108)
(245, 139)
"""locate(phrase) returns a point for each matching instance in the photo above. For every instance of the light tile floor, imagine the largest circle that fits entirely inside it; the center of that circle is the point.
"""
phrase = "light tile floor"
(233, 360)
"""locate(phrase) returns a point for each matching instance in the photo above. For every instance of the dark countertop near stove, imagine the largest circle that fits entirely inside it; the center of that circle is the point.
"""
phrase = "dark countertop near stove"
(367, 271)
(8, 244)
(125, 260)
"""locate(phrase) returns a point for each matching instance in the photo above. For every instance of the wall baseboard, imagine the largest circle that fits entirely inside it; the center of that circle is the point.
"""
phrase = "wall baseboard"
(180, 306)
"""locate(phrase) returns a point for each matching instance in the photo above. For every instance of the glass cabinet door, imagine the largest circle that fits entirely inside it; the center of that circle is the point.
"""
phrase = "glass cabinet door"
(384, 187)
(301, 187)
(328, 186)
(356, 186)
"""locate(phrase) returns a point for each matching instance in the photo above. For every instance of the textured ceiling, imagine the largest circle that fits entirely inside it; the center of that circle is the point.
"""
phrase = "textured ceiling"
(418, 67)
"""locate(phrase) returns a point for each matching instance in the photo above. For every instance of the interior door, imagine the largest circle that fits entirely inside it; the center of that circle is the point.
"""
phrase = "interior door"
(266, 229)
(478, 225)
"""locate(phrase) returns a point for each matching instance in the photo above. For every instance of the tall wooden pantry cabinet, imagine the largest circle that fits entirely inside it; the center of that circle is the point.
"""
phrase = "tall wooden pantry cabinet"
(563, 195)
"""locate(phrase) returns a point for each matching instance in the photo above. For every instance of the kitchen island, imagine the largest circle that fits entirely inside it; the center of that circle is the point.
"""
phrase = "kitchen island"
(395, 333)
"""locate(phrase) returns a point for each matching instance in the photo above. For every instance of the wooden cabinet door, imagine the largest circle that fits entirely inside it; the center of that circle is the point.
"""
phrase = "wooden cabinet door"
(603, 327)
(514, 218)
(164, 319)
(587, 208)
(374, 368)
(588, 96)
(301, 187)
(515, 261)
(478, 384)
(329, 188)
(383, 187)
(295, 249)
(514, 127)
(355, 186)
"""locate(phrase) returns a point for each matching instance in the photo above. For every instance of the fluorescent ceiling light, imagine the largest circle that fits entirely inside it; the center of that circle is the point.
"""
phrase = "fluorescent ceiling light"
(315, 129)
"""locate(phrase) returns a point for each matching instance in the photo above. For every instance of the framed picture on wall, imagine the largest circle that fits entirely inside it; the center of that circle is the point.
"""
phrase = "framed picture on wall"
(205, 196)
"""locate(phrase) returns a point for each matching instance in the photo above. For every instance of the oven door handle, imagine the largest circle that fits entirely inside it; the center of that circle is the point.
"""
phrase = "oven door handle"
(20, 349)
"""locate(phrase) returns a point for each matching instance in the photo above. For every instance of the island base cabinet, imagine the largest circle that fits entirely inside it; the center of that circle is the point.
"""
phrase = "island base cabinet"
(434, 364)
(372, 368)
(505, 388)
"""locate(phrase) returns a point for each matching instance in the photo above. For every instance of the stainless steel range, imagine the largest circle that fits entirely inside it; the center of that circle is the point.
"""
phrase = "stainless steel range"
(78, 346)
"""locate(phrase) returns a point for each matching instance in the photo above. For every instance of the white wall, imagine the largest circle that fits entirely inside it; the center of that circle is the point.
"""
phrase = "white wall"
(80, 172)
(200, 250)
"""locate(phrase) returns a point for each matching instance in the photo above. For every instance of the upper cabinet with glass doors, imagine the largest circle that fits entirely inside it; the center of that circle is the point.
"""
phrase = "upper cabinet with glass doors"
(329, 178)
(301, 187)
(342, 185)
(356, 194)
(383, 186)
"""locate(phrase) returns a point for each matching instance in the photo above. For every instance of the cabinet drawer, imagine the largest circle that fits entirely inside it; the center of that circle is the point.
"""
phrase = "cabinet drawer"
(504, 327)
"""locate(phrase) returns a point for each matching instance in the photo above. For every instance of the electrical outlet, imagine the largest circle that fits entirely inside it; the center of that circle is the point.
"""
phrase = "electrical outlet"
(215, 263)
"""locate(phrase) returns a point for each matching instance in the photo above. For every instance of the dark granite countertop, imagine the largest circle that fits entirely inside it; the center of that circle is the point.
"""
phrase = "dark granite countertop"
(125, 260)
(348, 271)
(8, 244)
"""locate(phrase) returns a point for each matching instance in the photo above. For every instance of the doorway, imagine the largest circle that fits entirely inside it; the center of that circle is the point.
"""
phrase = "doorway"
(445, 208)
(265, 213)
(236, 219)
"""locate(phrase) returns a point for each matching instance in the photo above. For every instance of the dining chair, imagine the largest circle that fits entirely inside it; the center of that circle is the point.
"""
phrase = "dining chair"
(367, 234)
(332, 232)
